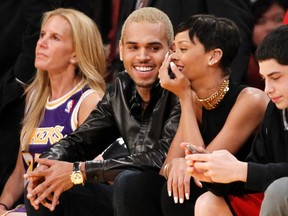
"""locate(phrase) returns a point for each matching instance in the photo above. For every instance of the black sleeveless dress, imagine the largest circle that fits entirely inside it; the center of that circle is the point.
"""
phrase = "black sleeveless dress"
(214, 120)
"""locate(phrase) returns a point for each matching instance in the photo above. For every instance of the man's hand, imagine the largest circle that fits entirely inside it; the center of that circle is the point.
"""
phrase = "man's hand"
(48, 183)
(220, 166)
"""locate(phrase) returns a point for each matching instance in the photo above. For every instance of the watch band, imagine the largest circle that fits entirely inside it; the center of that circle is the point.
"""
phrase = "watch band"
(76, 166)
(77, 176)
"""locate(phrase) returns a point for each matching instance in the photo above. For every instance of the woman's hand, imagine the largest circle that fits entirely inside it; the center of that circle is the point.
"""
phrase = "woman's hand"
(33, 182)
(176, 82)
(178, 182)
(3, 211)
(192, 149)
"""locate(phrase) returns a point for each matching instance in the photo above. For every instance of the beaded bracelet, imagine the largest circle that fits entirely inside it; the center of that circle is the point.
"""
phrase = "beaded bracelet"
(5, 206)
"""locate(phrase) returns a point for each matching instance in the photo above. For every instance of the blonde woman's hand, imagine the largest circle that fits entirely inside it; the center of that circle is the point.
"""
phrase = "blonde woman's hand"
(33, 182)
(3, 212)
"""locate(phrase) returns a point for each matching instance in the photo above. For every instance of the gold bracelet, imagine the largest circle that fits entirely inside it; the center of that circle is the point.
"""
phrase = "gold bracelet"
(166, 170)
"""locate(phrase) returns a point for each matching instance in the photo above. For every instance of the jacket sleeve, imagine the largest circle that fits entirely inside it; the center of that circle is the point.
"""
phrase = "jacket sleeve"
(260, 176)
(107, 170)
(89, 139)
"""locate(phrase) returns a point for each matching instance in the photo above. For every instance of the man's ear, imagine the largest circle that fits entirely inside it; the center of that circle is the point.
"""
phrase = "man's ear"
(120, 50)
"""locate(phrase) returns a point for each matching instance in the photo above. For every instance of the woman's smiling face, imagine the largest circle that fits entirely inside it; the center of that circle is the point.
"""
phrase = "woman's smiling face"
(189, 56)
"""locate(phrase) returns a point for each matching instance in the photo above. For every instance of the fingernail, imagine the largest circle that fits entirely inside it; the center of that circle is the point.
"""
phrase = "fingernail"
(172, 64)
(187, 196)
(37, 202)
(166, 55)
(29, 196)
(169, 193)
(181, 200)
(175, 200)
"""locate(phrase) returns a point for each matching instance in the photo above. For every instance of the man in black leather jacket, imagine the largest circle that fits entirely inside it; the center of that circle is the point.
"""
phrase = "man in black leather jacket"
(135, 108)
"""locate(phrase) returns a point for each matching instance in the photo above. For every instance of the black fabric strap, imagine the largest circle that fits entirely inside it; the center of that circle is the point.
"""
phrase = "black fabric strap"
(76, 166)
(230, 206)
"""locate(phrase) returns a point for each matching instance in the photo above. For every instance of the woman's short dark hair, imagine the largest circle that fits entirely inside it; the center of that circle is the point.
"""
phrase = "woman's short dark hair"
(214, 32)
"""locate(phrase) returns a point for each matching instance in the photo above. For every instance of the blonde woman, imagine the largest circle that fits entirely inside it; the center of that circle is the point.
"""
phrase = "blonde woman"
(70, 64)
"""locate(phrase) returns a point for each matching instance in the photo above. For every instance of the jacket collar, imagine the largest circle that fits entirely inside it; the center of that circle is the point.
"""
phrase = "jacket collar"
(136, 100)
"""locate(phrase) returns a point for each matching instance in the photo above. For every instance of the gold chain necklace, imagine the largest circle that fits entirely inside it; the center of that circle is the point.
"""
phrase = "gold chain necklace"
(219, 94)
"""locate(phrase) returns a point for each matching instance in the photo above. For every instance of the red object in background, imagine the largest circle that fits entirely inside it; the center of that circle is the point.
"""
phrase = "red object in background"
(248, 204)
(285, 21)
(113, 32)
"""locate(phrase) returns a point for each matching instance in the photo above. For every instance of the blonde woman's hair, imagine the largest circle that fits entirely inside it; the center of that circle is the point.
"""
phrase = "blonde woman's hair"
(91, 66)
(151, 15)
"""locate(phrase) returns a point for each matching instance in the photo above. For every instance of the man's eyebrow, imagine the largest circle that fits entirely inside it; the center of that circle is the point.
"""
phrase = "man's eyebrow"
(272, 73)
(150, 43)
(155, 43)
(130, 42)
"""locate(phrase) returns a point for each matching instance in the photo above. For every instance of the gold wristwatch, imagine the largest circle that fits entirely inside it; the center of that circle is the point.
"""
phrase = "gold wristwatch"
(77, 176)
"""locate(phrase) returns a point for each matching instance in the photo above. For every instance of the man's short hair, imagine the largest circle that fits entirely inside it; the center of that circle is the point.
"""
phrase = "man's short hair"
(151, 15)
(274, 46)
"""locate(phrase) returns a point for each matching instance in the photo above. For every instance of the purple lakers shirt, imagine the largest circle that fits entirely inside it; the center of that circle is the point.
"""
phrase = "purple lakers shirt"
(60, 119)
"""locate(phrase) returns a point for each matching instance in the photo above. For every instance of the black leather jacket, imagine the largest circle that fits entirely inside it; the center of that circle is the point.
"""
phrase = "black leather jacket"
(147, 134)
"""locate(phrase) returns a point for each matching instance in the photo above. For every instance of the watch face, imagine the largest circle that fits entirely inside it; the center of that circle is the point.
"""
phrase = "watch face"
(77, 178)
